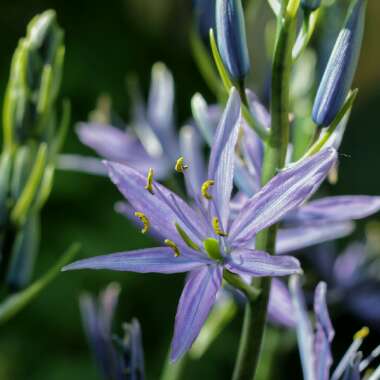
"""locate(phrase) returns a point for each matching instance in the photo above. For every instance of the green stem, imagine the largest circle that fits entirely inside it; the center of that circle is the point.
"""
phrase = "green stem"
(238, 283)
(174, 371)
(274, 159)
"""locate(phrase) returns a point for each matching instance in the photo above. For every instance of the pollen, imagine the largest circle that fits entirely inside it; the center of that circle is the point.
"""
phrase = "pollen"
(205, 187)
(144, 220)
(149, 181)
(362, 333)
(216, 226)
(173, 246)
(180, 167)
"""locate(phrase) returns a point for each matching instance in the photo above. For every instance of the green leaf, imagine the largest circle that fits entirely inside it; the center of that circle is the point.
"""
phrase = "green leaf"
(16, 302)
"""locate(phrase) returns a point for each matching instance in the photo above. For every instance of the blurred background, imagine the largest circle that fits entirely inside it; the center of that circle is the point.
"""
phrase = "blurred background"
(104, 43)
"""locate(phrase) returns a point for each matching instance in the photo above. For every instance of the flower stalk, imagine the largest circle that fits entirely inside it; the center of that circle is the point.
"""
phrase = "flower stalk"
(274, 160)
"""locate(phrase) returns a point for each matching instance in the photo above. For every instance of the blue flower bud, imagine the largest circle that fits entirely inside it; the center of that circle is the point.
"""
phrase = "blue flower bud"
(339, 73)
(231, 37)
(204, 11)
(310, 5)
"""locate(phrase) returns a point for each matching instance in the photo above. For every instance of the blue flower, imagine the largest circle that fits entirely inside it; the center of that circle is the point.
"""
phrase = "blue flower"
(341, 67)
(314, 342)
(204, 11)
(151, 142)
(231, 38)
(204, 240)
(116, 358)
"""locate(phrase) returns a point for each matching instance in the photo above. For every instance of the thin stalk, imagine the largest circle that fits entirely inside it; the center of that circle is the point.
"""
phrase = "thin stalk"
(274, 159)
(174, 371)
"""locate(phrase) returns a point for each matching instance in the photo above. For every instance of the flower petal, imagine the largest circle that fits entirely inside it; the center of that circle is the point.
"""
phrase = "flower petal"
(110, 142)
(304, 330)
(222, 157)
(150, 260)
(83, 164)
(97, 318)
(339, 208)
(195, 304)
(287, 190)
(324, 333)
(191, 150)
(161, 216)
(259, 112)
(206, 117)
(280, 308)
(160, 109)
(261, 264)
(296, 238)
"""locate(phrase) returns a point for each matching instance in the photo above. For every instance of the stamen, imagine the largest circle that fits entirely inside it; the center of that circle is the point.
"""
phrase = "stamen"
(180, 166)
(173, 246)
(144, 220)
(362, 333)
(205, 187)
(149, 181)
(352, 350)
(185, 237)
(216, 226)
(369, 359)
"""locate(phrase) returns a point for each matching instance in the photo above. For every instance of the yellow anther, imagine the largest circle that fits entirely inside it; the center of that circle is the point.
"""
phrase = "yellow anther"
(362, 333)
(144, 220)
(216, 226)
(149, 181)
(205, 187)
(180, 166)
(173, 246)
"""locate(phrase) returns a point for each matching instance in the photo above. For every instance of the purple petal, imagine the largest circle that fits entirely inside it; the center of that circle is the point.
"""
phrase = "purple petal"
(305, 336)
(287, 190)
(150, 260)
(110, 142)
(191, 150)
(195, 304)
(280, 309)
(117, 145)
(205, 121)
(161, 216)
(84, 164)
(324, 333)
(339, 208)
(261, 264)
(160, 109)
(295, 238)
(97, 320)
(108, 302)
(222, 157)
(259, 112)
(348, 264)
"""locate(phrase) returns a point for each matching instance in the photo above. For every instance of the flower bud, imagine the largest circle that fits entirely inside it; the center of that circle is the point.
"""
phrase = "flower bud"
(204, 12)
(310, 5)
(34, 81)
(339, 73)
(231, 37)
